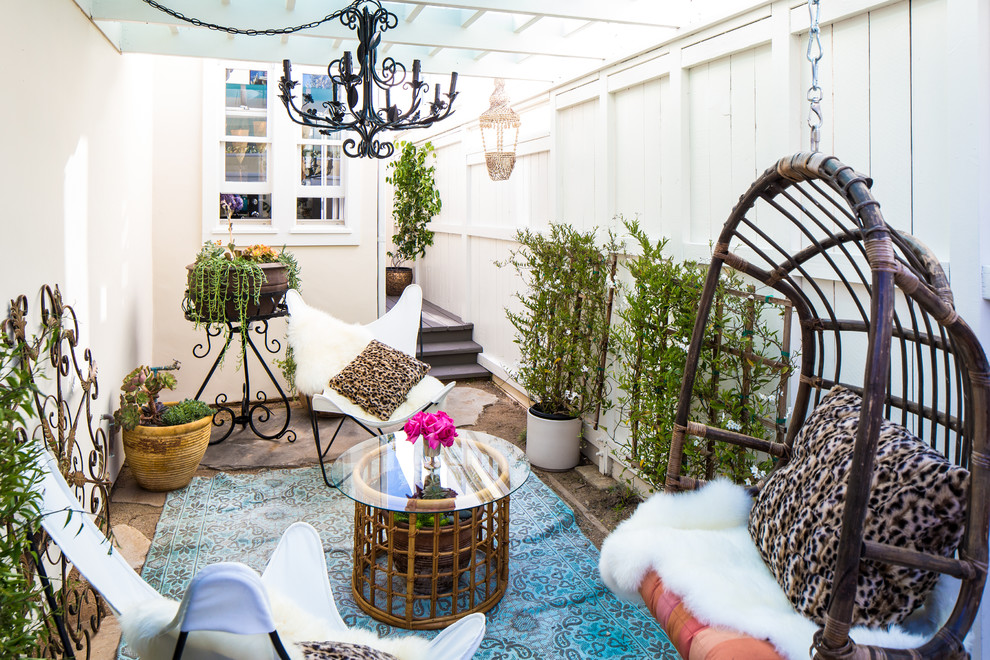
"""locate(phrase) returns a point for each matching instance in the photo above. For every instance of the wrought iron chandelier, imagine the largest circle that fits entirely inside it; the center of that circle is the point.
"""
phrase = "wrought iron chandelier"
(355, 85)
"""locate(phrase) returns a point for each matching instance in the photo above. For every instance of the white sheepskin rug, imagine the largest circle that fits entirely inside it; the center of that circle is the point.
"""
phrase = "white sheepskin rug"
(697, 542)
(148, 633)
(322, 345)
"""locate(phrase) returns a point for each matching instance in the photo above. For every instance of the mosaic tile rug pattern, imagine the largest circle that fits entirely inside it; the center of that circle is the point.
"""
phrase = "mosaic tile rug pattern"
(555, 607)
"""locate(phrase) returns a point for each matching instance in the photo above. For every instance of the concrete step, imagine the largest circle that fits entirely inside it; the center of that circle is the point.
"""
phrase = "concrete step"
(460, 372)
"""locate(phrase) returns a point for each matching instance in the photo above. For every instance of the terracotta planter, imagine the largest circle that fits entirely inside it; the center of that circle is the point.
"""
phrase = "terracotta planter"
(273, 288)
(553, 442)
(397, 279)
(166, 457)
(427, 544)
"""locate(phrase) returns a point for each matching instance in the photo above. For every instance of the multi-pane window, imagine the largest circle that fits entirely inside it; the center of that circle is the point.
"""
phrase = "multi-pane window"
(267, 179)
(320, 198)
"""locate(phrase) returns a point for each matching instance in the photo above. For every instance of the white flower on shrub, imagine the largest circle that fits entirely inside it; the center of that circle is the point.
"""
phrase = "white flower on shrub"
(733, 425)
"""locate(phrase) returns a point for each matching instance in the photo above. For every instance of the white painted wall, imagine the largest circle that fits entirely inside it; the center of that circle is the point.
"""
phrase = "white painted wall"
(75, 167)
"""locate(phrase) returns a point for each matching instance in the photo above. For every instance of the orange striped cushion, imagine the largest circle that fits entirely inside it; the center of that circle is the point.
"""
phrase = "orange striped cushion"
(693, 639)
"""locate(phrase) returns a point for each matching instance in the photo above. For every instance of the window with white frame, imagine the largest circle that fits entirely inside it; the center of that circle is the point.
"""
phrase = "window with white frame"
(284, 184)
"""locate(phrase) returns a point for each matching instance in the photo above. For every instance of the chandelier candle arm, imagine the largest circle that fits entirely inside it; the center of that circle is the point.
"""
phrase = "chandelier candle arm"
(357, 112)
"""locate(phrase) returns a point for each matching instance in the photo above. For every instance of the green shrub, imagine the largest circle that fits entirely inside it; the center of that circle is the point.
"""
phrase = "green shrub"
(21, 613)
(736, 387)
(188, 410)
(562, 329)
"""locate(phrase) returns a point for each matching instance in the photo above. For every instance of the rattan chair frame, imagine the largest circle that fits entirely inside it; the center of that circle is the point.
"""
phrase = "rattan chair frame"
(810, 223)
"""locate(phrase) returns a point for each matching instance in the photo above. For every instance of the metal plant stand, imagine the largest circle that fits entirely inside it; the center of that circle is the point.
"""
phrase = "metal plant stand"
(249, 414)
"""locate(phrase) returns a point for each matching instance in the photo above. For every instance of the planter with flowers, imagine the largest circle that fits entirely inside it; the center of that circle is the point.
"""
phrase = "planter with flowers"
(163, 443)
(231, 284)
(562, 334)
(434, 535)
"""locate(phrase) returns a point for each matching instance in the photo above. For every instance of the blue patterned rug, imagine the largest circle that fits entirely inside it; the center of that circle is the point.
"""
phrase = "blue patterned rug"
(555, 607)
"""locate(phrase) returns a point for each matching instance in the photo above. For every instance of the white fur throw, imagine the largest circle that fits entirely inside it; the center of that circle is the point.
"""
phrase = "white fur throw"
(322, 346)
(697, 542)
(143, 630)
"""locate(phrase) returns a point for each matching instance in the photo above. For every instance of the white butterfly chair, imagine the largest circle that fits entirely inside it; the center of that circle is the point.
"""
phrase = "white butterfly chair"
(311, 331)
(229, 600)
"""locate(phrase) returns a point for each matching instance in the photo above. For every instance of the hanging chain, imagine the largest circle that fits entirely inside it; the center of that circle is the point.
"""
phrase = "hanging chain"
(814, 92)
(249, 32)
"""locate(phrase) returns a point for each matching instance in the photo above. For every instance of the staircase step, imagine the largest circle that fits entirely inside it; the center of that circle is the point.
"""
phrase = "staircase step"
(444, 335)
(460, 372)
(468, 348)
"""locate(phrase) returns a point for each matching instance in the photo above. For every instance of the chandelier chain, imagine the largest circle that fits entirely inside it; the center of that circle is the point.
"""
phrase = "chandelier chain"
(249, 32)
(815, 91)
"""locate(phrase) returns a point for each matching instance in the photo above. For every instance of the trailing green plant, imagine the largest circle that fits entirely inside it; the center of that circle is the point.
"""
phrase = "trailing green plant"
(139, 404)
(737, 384)
(563, 327)
(22, 632)
(416, 200)
(228, 275)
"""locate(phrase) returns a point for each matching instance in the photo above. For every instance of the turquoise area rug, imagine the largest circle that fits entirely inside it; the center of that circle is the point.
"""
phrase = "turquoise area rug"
(555, 606)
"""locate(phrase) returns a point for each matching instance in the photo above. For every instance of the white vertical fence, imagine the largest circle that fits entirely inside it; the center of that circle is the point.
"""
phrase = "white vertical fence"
(674, 135)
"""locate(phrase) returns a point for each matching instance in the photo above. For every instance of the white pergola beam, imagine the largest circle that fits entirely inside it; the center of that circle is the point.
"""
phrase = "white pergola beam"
(416, 11)
(159, 40)
(474, 17)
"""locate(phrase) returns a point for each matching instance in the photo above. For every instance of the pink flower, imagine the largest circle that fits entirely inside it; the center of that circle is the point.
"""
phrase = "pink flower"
(413, 427)
(436, 428)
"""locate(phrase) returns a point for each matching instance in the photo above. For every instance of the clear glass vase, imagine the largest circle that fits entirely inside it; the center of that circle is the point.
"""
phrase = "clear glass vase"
(431, 457)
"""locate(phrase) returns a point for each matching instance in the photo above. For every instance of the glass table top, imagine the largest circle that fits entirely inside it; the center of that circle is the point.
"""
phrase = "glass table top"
(385, 471)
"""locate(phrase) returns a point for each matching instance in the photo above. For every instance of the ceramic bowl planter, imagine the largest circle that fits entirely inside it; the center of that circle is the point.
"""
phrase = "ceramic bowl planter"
(166, 457)
(553, 442)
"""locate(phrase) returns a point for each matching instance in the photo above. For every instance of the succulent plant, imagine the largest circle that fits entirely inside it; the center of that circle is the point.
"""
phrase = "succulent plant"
(139, 392)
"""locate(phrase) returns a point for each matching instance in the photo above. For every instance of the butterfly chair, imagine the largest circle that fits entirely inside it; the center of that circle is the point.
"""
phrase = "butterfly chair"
(323, 346)
(857, 515)
(227, 606)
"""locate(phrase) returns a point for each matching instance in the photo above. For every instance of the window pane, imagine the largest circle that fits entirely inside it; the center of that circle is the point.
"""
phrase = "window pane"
(309, 209)
(247, 89)
(310, 163)
(246, 208)
(316, 210)
(241, 126)
(247, 103)
(333, 165)
(317, 89)
(245, 161)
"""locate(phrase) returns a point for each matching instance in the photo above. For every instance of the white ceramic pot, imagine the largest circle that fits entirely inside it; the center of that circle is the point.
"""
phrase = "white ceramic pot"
(553, 442)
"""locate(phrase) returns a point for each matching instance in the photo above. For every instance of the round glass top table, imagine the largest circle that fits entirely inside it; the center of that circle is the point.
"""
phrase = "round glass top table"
(431, 543)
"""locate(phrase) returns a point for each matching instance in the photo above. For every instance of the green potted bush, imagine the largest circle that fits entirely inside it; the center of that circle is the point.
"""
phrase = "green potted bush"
(562, 333)
(416, 200)
(163, 443)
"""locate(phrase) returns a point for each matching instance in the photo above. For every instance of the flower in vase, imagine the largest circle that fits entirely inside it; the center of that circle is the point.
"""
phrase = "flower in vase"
(436, 428)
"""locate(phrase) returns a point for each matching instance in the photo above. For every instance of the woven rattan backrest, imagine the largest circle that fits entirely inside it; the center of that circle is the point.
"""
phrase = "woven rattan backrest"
(876, 315)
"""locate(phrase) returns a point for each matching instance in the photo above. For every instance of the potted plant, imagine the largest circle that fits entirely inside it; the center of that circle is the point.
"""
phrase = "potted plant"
(416, 200)
(562, 334)
(163, 443)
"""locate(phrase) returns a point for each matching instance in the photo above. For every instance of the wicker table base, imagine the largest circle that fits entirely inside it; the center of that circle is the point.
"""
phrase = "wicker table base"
(429, 577)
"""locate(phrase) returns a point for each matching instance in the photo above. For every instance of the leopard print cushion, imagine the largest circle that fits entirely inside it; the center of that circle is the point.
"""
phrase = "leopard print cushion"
(379, 379)
(341, 651)
(917, 501)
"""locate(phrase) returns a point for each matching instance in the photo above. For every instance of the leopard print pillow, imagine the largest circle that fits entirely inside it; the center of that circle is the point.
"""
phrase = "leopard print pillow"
(341, 651)
(917, 501)
(379, 379)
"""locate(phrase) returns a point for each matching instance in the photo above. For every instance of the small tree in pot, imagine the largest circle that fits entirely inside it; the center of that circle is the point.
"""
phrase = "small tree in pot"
(562, 334)
(415, 202)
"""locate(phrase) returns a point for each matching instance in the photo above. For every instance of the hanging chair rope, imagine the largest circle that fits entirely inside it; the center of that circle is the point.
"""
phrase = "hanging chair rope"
(814, 92)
